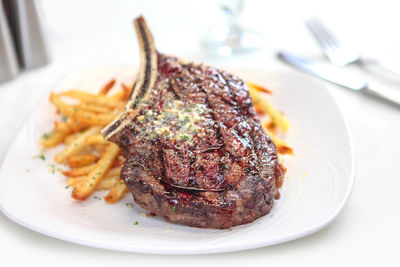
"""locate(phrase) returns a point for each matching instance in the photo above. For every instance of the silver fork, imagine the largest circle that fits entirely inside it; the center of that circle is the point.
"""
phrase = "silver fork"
(338, 53)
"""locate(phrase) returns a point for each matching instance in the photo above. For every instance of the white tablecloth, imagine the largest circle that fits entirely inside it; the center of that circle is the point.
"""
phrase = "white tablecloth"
(84, 33)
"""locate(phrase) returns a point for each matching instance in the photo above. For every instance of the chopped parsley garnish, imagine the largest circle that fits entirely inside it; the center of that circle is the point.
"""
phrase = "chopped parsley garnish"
(96, 197)
(185, 138)
(187, 109)
(173, 208)
(136, 223)
(46, 136)
(76, 109)
(40, 156)
(64, 119)
(129, 205)
(67, 187)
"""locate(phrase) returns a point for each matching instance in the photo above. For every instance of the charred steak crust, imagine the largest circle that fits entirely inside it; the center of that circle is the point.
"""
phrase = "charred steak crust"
(196, 153)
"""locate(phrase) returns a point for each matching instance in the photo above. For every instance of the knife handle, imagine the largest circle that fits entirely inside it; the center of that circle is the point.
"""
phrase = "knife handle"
(384, 93)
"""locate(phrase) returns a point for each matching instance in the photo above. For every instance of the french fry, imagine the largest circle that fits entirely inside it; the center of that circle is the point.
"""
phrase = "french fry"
(52, 139)
(75, 161)
(86, 187)
(107, 182)
(118, 96)
(127, 90)
(93, 108)
(107, 87)
(86, 117)
(75, 125)
(77, 145)
(100, 100)
(71, 137)
(114, 171)
(96, 139)
(277, 118)
(81, 171)
(116, 193)
(93, 119)
(281, 145)
(258, 87)
(61, 127)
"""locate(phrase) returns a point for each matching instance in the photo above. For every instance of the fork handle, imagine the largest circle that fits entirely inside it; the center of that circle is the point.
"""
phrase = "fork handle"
(384, 93)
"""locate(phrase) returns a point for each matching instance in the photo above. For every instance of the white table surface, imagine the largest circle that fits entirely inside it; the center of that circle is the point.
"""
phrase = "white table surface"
(85, 33)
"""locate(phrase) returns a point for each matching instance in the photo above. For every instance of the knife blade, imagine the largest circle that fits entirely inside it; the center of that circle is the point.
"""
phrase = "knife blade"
(340, 76)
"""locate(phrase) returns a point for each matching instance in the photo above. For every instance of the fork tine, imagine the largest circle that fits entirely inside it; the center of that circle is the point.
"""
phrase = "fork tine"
(326, 32)
(320, 35)
(325, 44)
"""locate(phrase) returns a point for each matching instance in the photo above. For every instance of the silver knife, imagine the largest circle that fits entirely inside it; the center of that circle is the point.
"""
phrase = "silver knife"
(340, 77)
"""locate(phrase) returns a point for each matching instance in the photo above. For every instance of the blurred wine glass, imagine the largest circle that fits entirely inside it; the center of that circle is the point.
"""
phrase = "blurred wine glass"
(229, 37)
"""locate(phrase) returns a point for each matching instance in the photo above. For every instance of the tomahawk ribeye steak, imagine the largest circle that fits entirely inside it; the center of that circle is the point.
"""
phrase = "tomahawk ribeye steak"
(196, 153)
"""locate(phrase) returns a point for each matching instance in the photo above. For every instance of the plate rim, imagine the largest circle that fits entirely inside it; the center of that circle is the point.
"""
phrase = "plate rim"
(188, 251)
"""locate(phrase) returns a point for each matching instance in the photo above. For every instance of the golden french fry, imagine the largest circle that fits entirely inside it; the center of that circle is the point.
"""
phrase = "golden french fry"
(74, 181)
(107, 87)
(100, 100)
(127, 90)
(75, 161)
(85, 188)
(75, 125)
(86, 117)
(52, 139)
(116, 193)
(71, 137)
(81, 171)
(61, 127)
(96, 139)
(77, 145)
(107, 182)
(114, 171)
(281, 145)
(93, 119)
(277, 118)
(92, 108)
(118, 96)
(258, 87)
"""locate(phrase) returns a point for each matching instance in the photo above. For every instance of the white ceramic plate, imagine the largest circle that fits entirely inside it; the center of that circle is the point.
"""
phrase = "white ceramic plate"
(317, 184)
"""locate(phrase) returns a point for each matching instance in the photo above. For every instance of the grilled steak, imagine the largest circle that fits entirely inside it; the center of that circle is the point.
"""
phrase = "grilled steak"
(196, 153)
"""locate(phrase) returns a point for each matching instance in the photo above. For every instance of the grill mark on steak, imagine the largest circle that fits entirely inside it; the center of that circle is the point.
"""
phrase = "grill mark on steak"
(196, 153)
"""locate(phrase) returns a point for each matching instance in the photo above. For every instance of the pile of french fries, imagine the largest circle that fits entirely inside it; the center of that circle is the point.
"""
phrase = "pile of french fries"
(94, 163)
